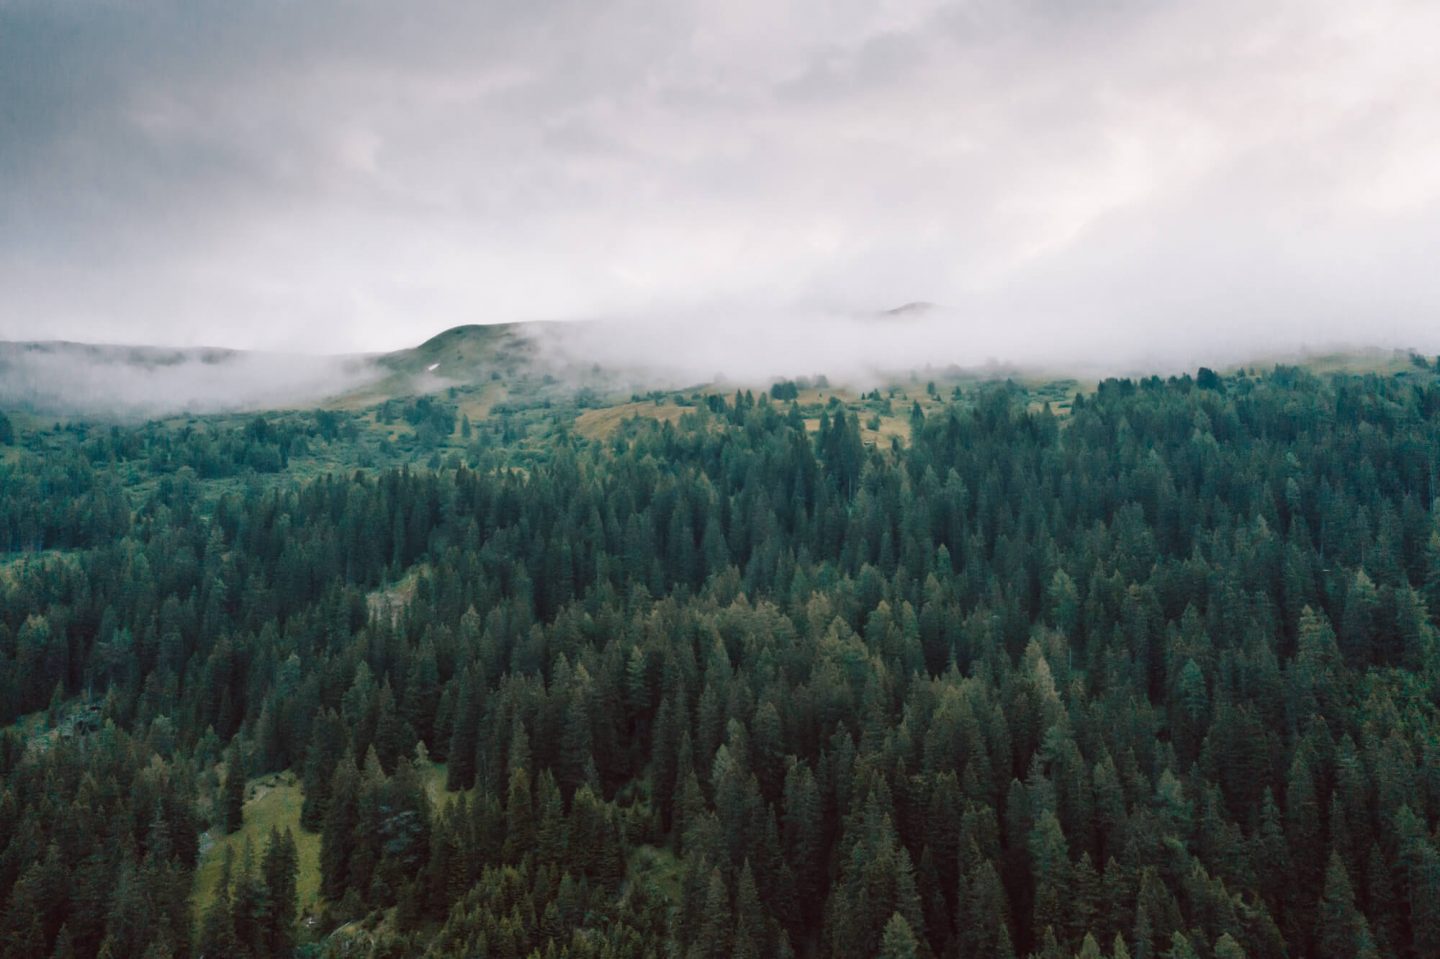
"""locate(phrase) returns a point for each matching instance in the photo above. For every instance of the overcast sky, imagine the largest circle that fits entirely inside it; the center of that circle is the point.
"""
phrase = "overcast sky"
(1092, 174)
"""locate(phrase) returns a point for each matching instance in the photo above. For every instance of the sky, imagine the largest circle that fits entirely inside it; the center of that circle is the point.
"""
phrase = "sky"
(1066, 177)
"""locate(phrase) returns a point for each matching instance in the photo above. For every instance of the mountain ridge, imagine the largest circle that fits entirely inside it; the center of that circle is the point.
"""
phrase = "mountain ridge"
(138, 381)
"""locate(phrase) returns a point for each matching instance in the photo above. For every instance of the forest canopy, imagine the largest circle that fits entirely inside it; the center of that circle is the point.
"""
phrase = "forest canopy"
(1153, 676)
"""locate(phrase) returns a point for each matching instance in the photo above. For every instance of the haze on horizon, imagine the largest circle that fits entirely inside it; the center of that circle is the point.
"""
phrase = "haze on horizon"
(1102, 181)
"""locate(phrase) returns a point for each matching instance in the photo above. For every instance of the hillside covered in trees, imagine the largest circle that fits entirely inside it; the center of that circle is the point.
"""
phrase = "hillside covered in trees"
(1153, 675)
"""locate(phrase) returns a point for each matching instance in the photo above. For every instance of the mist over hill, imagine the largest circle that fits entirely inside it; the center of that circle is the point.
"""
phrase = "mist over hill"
(129, 382)
(614, 357)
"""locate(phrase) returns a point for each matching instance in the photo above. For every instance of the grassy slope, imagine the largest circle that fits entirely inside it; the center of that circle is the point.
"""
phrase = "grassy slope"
(491, 365)
(270, 801)
(465, 356)
(433, 776)
(602, 423)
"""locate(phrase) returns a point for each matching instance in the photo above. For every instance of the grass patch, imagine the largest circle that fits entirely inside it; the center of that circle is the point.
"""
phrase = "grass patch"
(478, 402)
(602, 423)
(398, 595)
(891, 427)
(433, 775)
(270, 801)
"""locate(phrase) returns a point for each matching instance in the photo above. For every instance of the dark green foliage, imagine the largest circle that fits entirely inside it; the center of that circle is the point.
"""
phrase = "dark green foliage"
(784, 391)
(1159, 675)
(278, 871)
(341, 821)
(254, 909)
(899, 940)
(232, 795)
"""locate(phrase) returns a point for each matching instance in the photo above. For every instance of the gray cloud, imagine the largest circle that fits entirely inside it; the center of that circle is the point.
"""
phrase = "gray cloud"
(117, 382)
(1070, 179)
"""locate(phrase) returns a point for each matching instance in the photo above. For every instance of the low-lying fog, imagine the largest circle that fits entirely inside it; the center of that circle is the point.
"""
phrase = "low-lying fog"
(868, 349)
(125, 382)
(743, 347)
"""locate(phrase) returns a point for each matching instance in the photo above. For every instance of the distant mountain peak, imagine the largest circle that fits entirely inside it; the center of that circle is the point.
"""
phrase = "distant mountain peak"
(913, 308)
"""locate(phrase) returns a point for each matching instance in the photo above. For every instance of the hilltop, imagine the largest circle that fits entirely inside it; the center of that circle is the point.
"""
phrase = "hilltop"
(595, 365)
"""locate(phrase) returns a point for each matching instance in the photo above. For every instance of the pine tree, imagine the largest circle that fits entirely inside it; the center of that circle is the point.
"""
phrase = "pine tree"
(1358, 633)
(551, 838)
(1227, 948)
(1423, 868)
(714, 940)
(368, 834)
(519, 816)
(1341, 930)
(280, 870)
(898, 941)
(464, 736)
(1050, 864)
(217, 928)
(250, 907)
(1180, 948)
(749, 918)
(803, 839)
(21, 935)
(338, 834)
(1190, 708)
(232, 797)
(64, 944)
(327, 746)
(984, 912)
(1157, 916)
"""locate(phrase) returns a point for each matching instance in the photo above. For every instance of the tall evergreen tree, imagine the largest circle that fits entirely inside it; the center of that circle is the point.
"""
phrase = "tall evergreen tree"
(232, 796)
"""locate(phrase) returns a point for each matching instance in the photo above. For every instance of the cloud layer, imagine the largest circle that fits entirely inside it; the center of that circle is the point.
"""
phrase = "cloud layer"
(1088, 179)
(126, 383)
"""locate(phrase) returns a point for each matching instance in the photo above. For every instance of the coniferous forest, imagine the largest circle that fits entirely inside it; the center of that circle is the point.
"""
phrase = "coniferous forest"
(1154, 676)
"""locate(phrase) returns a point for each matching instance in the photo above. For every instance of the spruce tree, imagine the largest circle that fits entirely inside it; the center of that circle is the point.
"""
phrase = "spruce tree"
(1342, 930)
(338, 833)
(232, 796)
(280, 871)
(898, 940)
